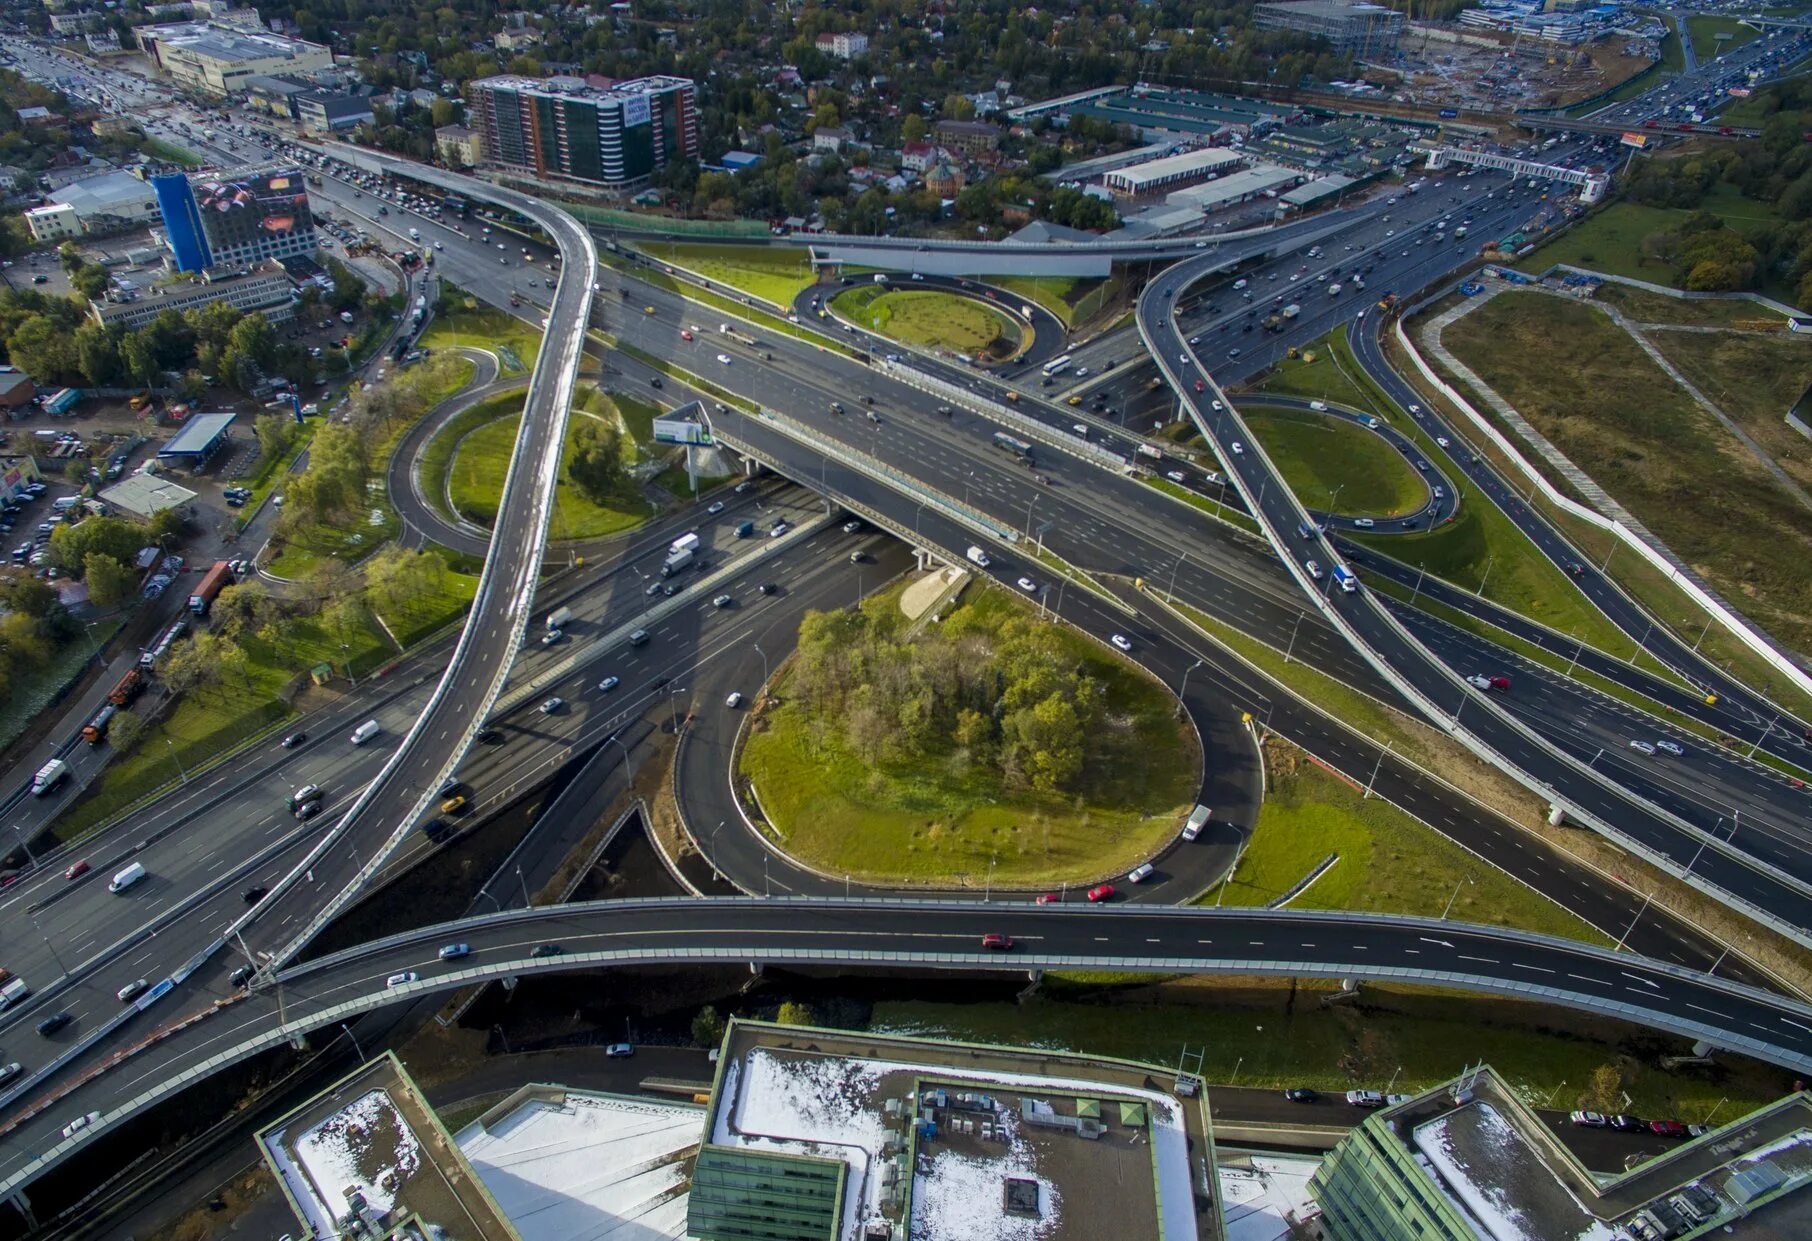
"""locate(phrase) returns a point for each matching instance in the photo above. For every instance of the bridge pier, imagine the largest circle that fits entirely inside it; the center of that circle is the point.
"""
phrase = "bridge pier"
(23, 1205)
(1034, 980)
(751, 468)
(1349, 991)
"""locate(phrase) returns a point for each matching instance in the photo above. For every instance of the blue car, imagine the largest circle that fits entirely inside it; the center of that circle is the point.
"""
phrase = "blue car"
(452, 952)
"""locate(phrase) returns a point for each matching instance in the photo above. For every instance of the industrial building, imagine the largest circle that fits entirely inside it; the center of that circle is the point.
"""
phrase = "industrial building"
(325, 113)
(566, 128)
(1364, 30)
(106, 203)
(1160, 114)
(213, 222)
(1265, 180)
(1171, 172)
(265, 288)
(216, 59)
(1470, 1161)
(144, 495)
(201, 437)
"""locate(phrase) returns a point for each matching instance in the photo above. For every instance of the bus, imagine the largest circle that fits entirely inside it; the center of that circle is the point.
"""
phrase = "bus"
(1056, 366)
(454, 203)
(1020, 450)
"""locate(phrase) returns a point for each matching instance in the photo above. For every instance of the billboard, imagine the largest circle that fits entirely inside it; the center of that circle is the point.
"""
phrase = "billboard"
(1637, 140)
(635, 111)
(241, 211)
(680, 431)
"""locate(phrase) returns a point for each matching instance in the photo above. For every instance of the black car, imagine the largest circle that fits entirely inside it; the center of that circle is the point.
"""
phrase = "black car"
(547, 950)
(51, 1024)
(293, 740)
(306, 811)
(1629, 1124)
(256, 893)
(655, 382)
(488, 736)
(437, 830)
(768, 588)
(1302, 1094)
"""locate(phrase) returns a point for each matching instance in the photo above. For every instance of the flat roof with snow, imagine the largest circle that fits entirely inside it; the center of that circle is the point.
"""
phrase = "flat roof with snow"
(951, 1142)
(558, 1161)
(369, 1154)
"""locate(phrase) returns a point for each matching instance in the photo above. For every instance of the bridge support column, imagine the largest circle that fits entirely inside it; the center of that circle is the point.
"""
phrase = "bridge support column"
(1557, 815)
(750, 467)
(1034, 980)
(1437, 159)
(923, 558)
(1349, 991)
(23, 1205)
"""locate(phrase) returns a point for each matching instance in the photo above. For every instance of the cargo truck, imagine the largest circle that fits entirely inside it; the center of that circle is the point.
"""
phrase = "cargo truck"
(48, 777)
(215, 578)
(676, 561)
(95, 730)
(1291, 311)
(1343, 577)
(558, 618)
(129, 687)
(686, 541)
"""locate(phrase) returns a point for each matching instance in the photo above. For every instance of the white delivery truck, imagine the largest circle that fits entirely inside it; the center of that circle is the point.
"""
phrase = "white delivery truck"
(676, 561)
(366, 731)
(1198, 819)
(558, 618)
(48, 777)
(127, 877)
(686, 542)
(978, 557)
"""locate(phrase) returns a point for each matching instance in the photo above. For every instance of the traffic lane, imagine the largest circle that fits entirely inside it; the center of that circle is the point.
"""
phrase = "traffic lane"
(1596, 898)
(1392, 646)
(1204, 940)
(1610, 600)
(1711, 783)
(703, 783)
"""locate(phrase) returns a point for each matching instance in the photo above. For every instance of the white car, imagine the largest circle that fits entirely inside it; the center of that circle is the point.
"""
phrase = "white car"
(608, 684)
(716, 508)
(1441, 440)
(1313, 568)
(1364, 523)
(1122, 641)
(1028, 585)
(722, 601)
(1646, 747)
(724, 358)
(397, 980)
(1239, 449)
(80, 1123)
(1672, 747)
(1176, 476)
(552, 705)
(734, 700)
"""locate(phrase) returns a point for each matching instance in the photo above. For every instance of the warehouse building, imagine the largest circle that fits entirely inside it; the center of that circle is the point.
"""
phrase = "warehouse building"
(107, 203)
(1171, 172)
(216, 59)
(566, 128)
(1264, 181)
(1365, 30)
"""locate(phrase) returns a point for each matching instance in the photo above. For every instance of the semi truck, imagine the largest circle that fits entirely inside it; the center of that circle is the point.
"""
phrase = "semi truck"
(129, 687)
(676, 561)
(215, 578)
(149, 658)
(737, 335)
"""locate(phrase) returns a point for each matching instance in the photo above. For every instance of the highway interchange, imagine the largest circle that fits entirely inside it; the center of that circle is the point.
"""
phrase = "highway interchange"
(1102, 523)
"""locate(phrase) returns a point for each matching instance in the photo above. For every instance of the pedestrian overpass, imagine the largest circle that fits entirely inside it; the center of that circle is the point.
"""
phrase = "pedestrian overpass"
(1592, 183)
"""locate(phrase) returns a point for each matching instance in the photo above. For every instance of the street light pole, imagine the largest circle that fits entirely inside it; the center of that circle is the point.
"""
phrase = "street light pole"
(1624, 938)
(628, 760)
(357, 1050)
(1414, 594)
(1456, 896)
(1184, 688)
(764, 662)
(173, 754)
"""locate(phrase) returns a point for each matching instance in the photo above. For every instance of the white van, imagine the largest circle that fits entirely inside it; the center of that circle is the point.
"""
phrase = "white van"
(366, 731)
(1320, 407)
(1198, 819)
(126, 878)
(978, 556)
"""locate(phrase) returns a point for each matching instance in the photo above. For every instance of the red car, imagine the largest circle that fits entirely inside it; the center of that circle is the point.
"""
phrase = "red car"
(1101, 892)
(998, 942)
(1048, 898)
(1667, 1128)
(1200, 386)
(685, 335)
(76, 871)
(1500, 682)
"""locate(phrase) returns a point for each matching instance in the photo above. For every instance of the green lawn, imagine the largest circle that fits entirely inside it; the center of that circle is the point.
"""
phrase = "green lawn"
(1220, 512)
(1704, 30)
(1277, 1037)
(1058, 294)
(1673, 55)
(1334, 465)
(1585, 385)
(1754, 380)
(1644, 307)
(1318, 373)
(1388, 862)
(774, 274)
(939, 821)
(171, 153)
(931, 319)
(1610, 240)
(481, 458)
(484, 327)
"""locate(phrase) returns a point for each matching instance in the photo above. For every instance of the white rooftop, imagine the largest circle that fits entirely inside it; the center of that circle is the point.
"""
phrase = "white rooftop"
(146, 495)
(583, 1166)
(1262, 1194)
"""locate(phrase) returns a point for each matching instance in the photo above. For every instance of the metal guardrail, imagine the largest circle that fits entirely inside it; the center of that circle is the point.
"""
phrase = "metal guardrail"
(1075, 445)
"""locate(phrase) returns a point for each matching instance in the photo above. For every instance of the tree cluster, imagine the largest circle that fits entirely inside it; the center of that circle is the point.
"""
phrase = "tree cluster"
(1011, 700)
(32, 625)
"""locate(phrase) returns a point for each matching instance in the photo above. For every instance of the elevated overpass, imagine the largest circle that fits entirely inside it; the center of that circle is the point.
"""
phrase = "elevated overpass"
(908, 934)
(1592, 183)
(1564, 125)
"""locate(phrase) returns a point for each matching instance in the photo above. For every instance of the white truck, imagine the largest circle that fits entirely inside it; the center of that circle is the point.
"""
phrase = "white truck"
(48, 777)
(558, 618)
(676, 561)
(978, 557)
(1334, 290)
(685, 541)
(1291, 311)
